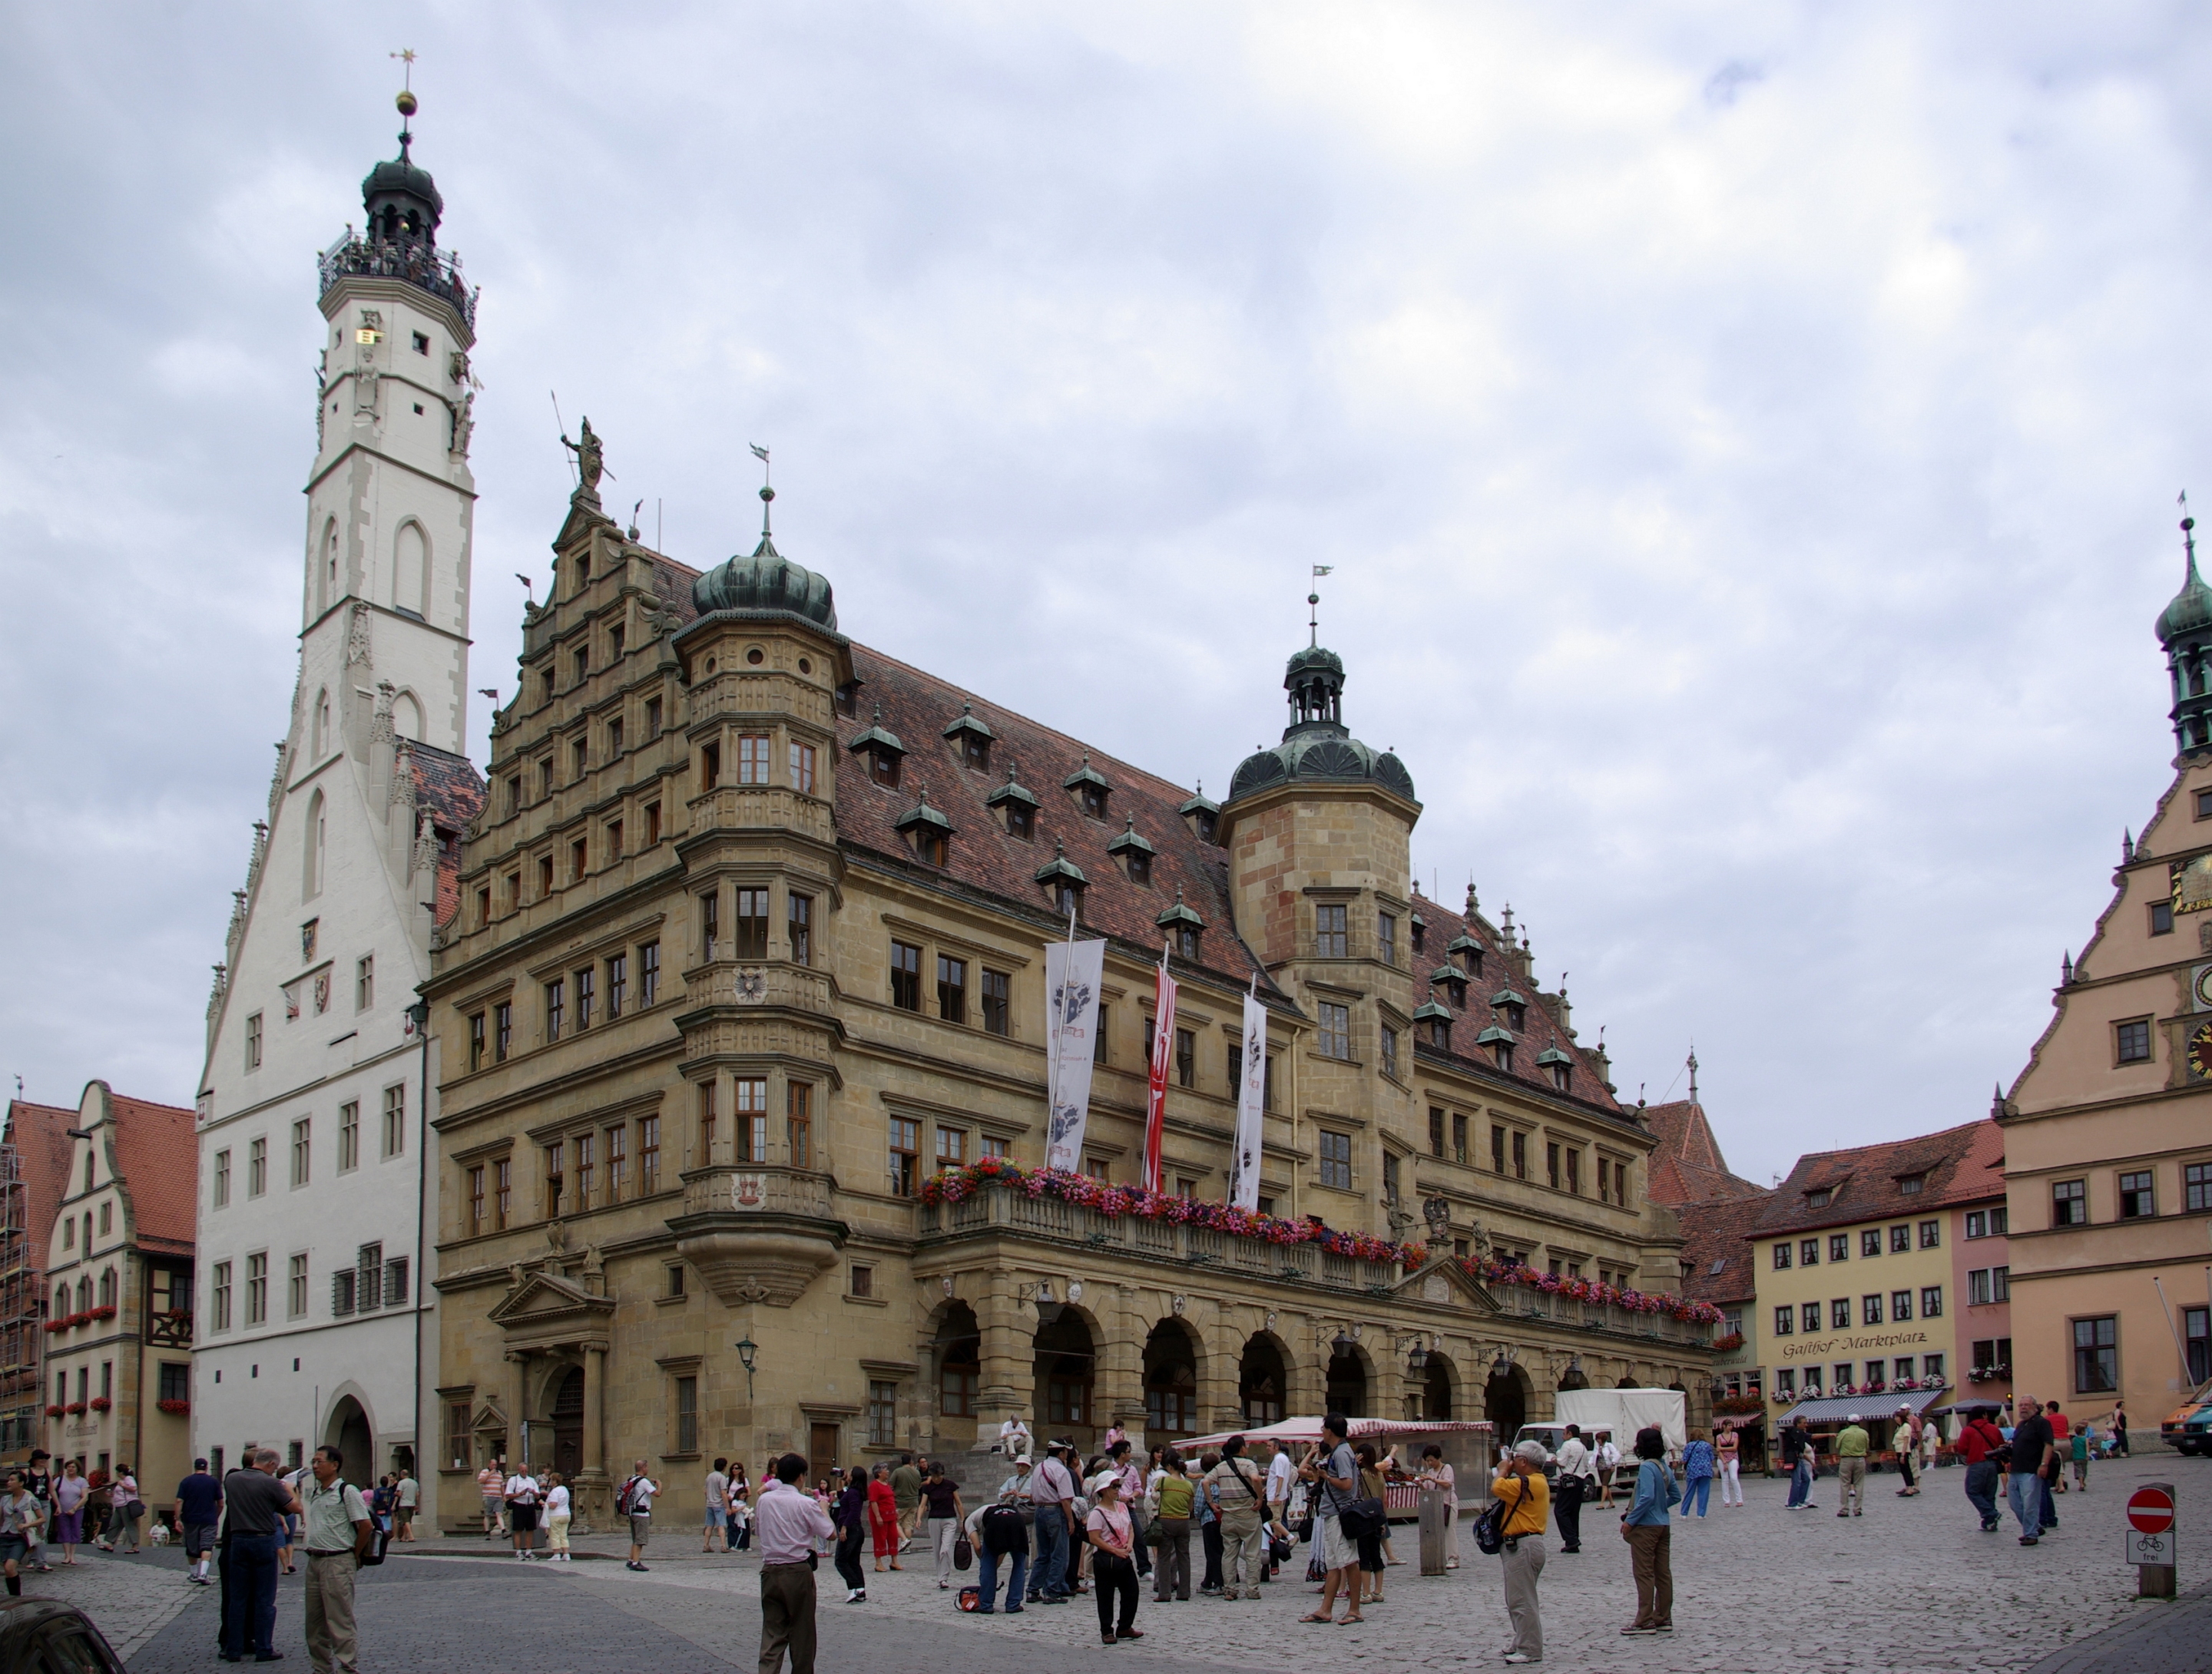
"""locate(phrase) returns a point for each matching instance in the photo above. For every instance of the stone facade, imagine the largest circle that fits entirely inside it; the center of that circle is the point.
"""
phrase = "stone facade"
(752, 943)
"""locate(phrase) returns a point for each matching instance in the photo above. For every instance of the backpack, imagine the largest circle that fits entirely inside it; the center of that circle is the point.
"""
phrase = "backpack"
(1003, 1531)
(1490, 1527)
(377, 1533)
(626, 1506)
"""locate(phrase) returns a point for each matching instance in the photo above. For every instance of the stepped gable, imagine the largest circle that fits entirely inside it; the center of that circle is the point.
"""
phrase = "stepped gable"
(158, 1156)
(917, 707)
(39, 1133)
(1955, 1167)
(452, 789)
(1540, 1031)
(1687, 1167)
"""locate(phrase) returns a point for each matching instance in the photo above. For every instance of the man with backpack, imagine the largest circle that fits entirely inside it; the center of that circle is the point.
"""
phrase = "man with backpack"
(338, 1532)
(635, 1502)
(1002, 1530)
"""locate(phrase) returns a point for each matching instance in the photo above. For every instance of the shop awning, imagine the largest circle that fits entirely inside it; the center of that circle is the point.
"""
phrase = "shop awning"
(1836, 1409)
(1308, 1429)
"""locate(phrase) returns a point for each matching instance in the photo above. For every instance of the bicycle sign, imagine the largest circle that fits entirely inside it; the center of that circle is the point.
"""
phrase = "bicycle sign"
(2150, 1539)
(2154, 1549)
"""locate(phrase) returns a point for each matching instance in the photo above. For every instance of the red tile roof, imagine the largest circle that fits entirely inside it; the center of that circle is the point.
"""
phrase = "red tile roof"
(1715, 1250)
(39, 1133)
(1687, 1167)
(1959, 1164)
(916, 707)
(158, 1157)
(451, 790)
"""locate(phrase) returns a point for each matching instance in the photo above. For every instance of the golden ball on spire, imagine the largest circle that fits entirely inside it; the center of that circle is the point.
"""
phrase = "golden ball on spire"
(406, 103)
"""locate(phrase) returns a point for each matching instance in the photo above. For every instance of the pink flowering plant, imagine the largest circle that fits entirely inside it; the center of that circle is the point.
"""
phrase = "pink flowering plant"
(1115, 1201)
(1495, 1269)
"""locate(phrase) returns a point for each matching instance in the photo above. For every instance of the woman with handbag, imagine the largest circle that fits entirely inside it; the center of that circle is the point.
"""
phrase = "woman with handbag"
(1646, 1527)
(1112, 1538)
(1527, 1498)
(940, 1497)
(1370, 1542)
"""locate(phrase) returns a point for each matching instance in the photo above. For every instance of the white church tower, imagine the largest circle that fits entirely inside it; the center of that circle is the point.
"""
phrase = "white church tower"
(312, 1310)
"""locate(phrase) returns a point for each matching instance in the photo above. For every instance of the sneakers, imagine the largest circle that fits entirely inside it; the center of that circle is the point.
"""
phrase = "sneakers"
(635, 1564)
(2029, 1540)
(1632, 1631)
(1518, 1656)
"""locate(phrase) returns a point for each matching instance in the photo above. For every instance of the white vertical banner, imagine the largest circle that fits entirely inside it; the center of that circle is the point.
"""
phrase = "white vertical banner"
(1251, 1109)
(1074, 972)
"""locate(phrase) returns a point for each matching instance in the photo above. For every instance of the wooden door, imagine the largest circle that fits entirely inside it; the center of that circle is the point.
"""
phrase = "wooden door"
(568, 1425)
(821, 1452)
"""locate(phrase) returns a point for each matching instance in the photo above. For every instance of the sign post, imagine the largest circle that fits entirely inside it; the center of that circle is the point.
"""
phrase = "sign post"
(2150, 1539)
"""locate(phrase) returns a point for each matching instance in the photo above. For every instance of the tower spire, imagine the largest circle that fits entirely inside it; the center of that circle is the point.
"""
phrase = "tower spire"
(767, 499)
(1313, 608)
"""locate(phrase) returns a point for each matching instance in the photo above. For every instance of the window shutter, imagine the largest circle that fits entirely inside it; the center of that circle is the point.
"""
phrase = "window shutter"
(395, 1281)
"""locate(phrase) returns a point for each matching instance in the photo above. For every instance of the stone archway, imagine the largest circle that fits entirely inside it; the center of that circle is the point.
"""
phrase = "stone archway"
(1348, 1381)
(1067, 1371)
(1263, 1381)
(1505, 1402)
(349, 1432)
(1440, 1379)
(1171, 1370)
(957, 1349)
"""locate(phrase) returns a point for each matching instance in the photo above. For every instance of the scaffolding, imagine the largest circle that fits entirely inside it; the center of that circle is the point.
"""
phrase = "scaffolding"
(22, 1307)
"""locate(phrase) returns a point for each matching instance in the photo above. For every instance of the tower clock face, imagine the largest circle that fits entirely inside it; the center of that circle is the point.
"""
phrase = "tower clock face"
(2200, 1052)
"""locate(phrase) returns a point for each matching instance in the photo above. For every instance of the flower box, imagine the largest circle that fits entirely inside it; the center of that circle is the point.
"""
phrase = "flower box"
(103, 1312)
(1739, 1404)
(75, 1409)
(174, 1406)
(54, 1411)
(100, 1403)
(1728, 1344)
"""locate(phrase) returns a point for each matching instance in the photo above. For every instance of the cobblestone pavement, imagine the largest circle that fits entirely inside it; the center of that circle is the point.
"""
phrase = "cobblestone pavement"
(1912, 1583)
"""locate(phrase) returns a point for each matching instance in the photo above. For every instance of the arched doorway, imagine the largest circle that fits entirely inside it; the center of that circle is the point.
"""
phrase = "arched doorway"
(569, 1423)
(1436, 1381)
(1066, 1368)
(1505, 1401)
(1347, 1380)
(1170, 1383)
(1261, 1378)
(348, 1432)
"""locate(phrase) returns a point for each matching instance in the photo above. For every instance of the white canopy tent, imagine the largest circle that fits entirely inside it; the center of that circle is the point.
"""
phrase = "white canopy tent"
(1289, 1430)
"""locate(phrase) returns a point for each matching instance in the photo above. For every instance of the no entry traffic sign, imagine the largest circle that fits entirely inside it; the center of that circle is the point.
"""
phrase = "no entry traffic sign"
(2150, 1510)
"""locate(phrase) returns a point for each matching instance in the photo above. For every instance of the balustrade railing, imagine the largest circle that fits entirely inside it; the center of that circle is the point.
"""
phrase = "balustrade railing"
(436, 272)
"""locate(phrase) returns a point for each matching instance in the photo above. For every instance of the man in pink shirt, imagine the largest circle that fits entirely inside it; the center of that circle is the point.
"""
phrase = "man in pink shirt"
(789, 1523)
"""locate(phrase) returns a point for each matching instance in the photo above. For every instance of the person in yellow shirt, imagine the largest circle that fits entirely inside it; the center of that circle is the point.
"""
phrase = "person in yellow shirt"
(1852, 1444)
(1529, 1497)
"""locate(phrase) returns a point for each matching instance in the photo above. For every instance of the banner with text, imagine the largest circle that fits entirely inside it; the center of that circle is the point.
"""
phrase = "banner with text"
(1074, 973)
(1251, 1107)
(1156, 1090)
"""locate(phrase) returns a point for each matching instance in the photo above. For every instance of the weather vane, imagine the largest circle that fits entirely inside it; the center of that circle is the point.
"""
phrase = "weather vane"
(406, 56)
(1313, 605)
(767, 492)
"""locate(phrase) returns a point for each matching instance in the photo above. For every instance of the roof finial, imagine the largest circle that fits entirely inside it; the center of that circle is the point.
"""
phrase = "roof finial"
(1693, 1065)
(1313, 608)
(2127, 845)
(2188, 532)
(2066, 969)
(1473, 905)
(406, 101)
(767, 492)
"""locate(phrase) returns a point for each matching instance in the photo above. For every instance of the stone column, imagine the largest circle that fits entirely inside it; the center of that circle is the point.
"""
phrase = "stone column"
(594, 1473)
(1307, 1376)
(517, 1382)
(1119, 1392)
(1218, 1406)
(1005, 1387)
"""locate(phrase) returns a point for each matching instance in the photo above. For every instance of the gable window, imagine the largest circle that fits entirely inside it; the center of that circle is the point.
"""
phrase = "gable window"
(219, 1296)
(905, 976)
(952, 989)
(1911, 1185)
(2069, 1204)
(1021, 820)
(1818, 1199)
(2137, 1199)
(751, 927)
(1330, 936)
(301, 1150)
(364, 982)
(395, 1120)
(2131, 1041)
(1335, 1030)
(1336, 1160)
(905, 1156)
(1440, 1034)
(752, 758)
(221, 1193)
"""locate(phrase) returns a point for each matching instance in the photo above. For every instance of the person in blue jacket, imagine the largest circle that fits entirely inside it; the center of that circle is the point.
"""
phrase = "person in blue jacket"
(1647, 1532)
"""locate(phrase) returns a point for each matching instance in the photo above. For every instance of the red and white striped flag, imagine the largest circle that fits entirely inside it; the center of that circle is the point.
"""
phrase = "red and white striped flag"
(1156, 1092)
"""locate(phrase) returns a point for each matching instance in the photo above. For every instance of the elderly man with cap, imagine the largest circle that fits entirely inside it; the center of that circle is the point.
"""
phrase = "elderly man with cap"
(1527, 1498)
(1052, 1491)
(1851, 1445)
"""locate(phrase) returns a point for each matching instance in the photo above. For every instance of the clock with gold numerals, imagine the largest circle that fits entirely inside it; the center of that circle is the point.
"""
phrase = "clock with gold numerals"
(2200, 1052)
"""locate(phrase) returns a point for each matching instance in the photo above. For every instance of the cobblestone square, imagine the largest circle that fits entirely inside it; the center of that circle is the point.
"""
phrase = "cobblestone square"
(1912, 1583)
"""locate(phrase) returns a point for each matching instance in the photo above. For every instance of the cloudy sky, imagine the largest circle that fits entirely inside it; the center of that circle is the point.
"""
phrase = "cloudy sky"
(1747, 436)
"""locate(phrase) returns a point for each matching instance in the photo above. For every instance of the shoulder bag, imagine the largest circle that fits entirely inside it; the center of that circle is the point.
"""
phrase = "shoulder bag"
(1490, 1527)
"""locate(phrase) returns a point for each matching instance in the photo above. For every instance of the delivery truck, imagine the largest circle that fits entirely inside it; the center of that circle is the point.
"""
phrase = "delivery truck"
(1618, 1413)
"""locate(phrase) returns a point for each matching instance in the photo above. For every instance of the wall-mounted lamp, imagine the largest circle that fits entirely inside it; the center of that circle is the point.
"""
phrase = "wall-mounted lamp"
(747, 1349)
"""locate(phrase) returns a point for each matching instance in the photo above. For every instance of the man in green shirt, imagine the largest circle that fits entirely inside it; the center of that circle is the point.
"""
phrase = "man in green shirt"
(338, 1537)
(1851, 1443)
(906, 1492)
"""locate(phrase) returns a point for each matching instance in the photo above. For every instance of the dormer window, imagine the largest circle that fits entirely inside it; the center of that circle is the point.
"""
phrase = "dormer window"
(883, 752)
(1910, 1184)
(1559, 1066)
(1134, 853)
(1183, 928)
(1454, 982)
(1205, 817)
(928, 829)
(1420, 933)
(848, 699)
(1819, 1199)
(1467, 952)
(971, 739)
(1500, 1045)
(1091, 789)
(1434, 1024)
(1512, 1007)
(1063, 881)
(1018, 805)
